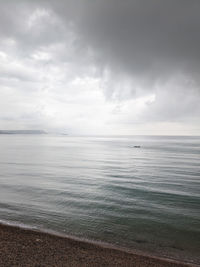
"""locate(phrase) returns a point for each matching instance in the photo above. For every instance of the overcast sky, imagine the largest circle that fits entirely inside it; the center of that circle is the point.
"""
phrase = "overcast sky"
(100, 66)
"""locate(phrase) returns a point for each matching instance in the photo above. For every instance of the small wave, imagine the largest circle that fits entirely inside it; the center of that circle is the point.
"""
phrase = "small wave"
(18, 224)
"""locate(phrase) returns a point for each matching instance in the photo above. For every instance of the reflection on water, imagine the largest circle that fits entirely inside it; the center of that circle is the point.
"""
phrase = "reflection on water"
(104, 188)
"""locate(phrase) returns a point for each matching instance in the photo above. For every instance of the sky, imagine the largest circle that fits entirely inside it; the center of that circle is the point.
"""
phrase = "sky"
(94, 67)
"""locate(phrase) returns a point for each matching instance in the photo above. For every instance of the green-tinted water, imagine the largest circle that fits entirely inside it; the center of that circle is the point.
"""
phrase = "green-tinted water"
(103, 188)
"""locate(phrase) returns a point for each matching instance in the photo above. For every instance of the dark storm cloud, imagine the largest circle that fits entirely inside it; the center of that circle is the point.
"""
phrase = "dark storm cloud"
(152, 38)
(138, 49)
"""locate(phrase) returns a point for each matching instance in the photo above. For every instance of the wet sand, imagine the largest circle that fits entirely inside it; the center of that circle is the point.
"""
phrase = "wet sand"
(22, 247)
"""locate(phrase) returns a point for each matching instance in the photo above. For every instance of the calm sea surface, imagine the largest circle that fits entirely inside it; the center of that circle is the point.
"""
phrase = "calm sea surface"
(104, 189)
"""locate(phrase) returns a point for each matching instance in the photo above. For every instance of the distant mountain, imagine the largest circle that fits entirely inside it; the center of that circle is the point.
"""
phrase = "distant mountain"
(22, 132)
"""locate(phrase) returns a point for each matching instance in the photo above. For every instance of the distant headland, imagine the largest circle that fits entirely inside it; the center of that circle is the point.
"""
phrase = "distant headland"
(22, 132)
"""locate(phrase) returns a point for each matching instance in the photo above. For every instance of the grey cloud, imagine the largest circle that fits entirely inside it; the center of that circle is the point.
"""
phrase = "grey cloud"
(131, 46)
(174, 105)
(149, 38)
(146, 38)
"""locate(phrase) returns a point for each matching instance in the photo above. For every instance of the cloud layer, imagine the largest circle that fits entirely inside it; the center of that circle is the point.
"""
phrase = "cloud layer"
(100, 67)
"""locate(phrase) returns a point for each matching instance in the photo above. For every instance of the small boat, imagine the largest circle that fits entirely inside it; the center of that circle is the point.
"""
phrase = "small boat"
(137, 146)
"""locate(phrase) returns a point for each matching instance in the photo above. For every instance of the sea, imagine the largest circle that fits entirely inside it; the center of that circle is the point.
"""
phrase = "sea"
(141, 193)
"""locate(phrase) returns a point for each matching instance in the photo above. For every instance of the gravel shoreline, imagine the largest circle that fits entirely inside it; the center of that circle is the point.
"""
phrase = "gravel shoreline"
(24, 247)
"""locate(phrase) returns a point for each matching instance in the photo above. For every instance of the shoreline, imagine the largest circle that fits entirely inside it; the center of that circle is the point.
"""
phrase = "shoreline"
(30, 247)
